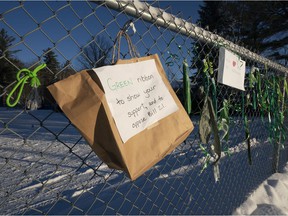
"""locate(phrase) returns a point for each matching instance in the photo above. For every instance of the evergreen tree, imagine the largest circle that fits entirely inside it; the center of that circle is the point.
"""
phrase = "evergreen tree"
(261, 26)
(50, 58)
(48, 76)
(7, 59)
(5, 42)
(215, 17)
(8, 62)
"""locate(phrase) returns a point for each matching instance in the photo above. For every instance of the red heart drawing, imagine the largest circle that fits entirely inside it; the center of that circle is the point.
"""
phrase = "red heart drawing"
(234, 63)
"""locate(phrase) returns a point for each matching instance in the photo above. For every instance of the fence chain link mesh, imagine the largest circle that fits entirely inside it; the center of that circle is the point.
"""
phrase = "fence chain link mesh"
(48, 168)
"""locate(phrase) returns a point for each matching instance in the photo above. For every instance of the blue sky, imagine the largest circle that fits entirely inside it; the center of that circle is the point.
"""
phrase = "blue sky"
(66, 27)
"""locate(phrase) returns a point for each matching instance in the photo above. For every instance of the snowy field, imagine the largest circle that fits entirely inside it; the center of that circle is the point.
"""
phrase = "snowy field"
(47, 168)
(270, 198)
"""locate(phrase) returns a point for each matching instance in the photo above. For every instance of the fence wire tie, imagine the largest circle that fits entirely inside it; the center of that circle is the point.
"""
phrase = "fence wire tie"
(127, 25)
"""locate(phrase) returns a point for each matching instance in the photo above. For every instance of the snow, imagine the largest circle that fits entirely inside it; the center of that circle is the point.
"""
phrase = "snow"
(49, 181)
(270, 198)
(47, 168)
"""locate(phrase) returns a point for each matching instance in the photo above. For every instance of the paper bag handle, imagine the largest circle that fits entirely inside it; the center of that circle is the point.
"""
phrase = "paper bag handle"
(132, 50)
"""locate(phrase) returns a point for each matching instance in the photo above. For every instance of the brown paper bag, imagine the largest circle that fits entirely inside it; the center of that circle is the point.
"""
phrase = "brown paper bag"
(82, 99)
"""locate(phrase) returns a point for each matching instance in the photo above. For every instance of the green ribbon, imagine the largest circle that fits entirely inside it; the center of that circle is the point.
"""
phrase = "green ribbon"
(207, 125)
(208, 119)
(187, 88)
(247, 139)
(252, 83)
(247, 131)
(206, 75)
(207, 158)
(172, 57)
(22, 80)
(223, 120)
(209, 71)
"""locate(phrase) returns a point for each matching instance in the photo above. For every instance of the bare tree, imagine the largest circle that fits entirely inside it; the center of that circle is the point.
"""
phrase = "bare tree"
(96, 54)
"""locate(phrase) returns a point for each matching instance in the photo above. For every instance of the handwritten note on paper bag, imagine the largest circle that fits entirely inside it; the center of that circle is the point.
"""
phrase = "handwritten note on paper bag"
(136, 96)
(231, 69)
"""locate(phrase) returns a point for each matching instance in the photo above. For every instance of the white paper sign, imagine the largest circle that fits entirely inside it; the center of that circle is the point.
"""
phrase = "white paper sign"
(136, 96)
(231, 69)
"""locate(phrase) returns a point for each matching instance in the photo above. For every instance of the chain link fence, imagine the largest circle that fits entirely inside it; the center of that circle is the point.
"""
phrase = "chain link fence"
(48, 168)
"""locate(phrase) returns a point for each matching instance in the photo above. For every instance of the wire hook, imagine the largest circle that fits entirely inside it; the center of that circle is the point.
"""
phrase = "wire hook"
(127, 25)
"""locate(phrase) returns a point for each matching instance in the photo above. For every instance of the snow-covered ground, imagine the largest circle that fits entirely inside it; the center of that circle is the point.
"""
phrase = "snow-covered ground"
(47, 168)
(270, 198)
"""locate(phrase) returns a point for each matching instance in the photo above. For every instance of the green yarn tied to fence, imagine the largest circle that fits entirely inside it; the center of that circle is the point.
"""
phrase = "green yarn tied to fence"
(208, 120)
(22, 78)
(187, 88)
(271, 100)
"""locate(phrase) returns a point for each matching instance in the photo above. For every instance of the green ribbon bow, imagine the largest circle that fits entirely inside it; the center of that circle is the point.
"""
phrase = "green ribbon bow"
(22, 80)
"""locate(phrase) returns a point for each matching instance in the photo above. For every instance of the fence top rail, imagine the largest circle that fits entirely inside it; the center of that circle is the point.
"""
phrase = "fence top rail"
(158, 16)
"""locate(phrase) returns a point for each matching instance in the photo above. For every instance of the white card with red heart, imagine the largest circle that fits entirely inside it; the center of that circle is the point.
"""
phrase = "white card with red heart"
(231, 69)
